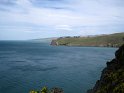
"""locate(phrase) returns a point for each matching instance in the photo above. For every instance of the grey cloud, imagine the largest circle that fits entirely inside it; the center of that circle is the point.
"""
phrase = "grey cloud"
(7, 5)
(7, 2)
(119, 3)
(53, 4)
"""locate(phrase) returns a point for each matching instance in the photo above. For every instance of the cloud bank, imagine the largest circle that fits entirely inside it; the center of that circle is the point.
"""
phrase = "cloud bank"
(27, 19)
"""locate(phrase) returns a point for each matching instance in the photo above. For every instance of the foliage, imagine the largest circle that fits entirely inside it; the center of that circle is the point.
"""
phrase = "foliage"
(43, 90)
(114, 81)
(119, 88)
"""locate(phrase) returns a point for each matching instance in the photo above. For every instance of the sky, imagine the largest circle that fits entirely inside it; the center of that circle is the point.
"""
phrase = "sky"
(33, 19)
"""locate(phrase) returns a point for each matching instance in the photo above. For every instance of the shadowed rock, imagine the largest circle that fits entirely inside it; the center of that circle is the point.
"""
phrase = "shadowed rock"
(112, 77)
(54, 43)
(119, 54)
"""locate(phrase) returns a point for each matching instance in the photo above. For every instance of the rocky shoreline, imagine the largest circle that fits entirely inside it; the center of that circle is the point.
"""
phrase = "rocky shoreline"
(112, 77)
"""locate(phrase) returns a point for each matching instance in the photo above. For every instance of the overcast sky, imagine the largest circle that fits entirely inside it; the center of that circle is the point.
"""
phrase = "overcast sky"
(31, 19)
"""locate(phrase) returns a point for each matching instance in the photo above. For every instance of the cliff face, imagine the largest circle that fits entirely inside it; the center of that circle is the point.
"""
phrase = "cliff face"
(54, 43)
(112, 77)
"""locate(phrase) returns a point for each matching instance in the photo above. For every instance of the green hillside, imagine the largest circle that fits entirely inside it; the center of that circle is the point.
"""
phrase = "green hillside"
(112, 40)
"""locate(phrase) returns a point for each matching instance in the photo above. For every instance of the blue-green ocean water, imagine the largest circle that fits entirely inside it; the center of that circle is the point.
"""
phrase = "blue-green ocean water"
(32, 65)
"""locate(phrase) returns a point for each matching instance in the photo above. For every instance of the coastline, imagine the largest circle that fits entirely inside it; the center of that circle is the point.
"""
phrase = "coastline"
(111, 40)
(112, 76)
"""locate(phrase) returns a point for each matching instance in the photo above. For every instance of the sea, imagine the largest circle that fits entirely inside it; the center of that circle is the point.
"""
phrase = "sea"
(31, 65)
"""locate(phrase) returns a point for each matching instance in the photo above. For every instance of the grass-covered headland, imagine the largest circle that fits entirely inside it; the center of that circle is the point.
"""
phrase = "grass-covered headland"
(111, 40)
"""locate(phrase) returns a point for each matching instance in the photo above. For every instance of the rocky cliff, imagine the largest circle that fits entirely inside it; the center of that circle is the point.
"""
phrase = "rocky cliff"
(112, 77)
(54, 43)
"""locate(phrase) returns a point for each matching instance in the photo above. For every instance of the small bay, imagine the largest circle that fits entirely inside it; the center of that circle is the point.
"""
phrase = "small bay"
(26, 65)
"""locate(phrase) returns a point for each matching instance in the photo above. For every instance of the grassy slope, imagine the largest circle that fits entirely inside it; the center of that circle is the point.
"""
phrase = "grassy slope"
(116, 39)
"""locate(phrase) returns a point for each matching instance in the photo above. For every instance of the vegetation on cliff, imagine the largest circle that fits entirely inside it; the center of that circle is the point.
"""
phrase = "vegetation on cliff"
(46, 90)
(112, 40)
(112, 78)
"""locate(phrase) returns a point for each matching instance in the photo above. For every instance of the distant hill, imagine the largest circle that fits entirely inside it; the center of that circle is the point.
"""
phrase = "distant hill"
(44, 39)
(111, 40)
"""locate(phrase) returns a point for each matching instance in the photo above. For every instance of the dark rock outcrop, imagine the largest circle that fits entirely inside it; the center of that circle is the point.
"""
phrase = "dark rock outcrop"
(112, 77)
(54, 43)
(120, 55)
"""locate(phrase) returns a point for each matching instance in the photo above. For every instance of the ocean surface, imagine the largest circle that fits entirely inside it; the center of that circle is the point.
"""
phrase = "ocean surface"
(30, 65)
